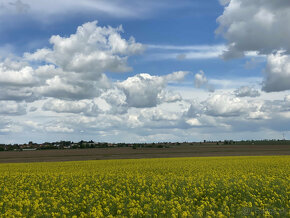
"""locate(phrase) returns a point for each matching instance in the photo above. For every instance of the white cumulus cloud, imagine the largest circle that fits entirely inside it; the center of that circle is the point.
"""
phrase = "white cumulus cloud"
(225, 106)
(261, 27)
(277, 73)
(75, 66)
(144, 90)
(255, 26)
(91, 51)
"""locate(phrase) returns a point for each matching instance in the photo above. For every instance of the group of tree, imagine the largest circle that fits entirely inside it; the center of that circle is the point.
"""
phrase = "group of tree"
(91, 144)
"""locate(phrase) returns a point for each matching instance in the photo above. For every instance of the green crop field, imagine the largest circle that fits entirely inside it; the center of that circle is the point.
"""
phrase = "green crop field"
(168, 187)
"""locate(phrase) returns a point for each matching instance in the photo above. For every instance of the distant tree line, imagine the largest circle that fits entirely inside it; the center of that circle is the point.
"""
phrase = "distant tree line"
(91, 144)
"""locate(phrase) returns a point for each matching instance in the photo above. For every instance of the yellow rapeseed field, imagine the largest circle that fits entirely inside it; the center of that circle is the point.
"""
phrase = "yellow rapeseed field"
(169, 187)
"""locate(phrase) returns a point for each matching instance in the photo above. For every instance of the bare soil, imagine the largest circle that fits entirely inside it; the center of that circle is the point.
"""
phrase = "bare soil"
(197, 150)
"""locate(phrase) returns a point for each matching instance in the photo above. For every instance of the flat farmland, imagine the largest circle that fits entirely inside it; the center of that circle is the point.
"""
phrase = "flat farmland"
(197, 150)
(236, 186)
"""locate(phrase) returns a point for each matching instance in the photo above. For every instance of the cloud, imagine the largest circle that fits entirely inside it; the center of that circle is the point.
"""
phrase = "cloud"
(225, 106)
(189, 52)
(116, 99)
(144, 90)
(17, 94)
(17, 80)
(65, 87)
(200, 81)
(72, 74)
(286, 105)
(33, 109)
(259, 26)
(246, 91)
(17, 74)
(223, 112)
(236, 83)
(185, 52)
(193, 122)
(4, 123)
(157, 114)
(277, 73)
(175, 76)
(86, 107)
(220, 105)
(232, 52)
(217, 47)
(91, 51)
(255, 26)
(287, 98)
(58, 129)
(81, 60)
(65, 90)
(74, 68)
(224, 2)
(169, 96)
(12, 108)
(8, 127)
(54, 9)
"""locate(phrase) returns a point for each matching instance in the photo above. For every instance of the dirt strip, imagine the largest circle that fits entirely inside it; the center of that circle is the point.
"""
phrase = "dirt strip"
(130, 153)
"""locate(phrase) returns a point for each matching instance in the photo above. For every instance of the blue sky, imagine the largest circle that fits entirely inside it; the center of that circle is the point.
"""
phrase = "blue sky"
(195, 70)
(193, 23)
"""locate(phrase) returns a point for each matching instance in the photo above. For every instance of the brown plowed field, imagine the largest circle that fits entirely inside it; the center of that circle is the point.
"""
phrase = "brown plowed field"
(197, 150)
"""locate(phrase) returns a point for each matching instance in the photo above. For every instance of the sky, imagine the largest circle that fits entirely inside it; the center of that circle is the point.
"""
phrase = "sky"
(144, 71)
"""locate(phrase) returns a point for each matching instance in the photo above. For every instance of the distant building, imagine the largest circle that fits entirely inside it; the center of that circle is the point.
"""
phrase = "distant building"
(29, 149)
